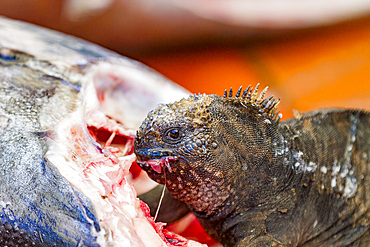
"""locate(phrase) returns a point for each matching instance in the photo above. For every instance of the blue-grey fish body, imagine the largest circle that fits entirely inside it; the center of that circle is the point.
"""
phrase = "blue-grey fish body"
(45, 78)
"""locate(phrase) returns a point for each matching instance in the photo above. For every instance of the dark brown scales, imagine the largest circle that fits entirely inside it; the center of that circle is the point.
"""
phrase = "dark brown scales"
(254, 181)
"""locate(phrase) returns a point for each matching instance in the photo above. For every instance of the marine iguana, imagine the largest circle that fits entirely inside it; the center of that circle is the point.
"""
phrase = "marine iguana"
(252, 180)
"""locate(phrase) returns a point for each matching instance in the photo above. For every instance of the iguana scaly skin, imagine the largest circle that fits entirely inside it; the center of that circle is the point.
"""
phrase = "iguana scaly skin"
(254, 181)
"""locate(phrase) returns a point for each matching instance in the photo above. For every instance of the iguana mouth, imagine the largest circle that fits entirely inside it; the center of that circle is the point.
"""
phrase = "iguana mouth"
(158, 164)
(157, 159)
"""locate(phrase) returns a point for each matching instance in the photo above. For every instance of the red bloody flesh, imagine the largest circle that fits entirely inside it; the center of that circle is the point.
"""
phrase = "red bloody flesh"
(102, 136)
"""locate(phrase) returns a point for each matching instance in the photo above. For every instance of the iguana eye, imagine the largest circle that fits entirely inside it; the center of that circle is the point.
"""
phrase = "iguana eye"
(172, 135)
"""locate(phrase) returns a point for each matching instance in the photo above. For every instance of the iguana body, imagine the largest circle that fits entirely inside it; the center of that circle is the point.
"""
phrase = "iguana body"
(253, 181)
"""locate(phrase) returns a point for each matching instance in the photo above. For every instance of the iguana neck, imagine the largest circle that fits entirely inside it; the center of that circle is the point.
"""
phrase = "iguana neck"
(272, 187)
(256, 189)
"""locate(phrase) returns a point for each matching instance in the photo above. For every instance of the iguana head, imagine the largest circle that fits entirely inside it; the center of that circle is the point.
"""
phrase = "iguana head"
(202, 146)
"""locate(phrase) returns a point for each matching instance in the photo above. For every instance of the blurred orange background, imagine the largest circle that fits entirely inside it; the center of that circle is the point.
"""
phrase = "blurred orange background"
(308, 68)
(317, 69)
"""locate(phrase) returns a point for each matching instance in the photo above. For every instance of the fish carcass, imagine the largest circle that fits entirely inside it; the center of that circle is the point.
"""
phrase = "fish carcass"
(63, 182)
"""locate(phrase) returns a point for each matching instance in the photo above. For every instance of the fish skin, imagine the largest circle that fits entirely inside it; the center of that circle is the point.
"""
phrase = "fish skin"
(43, 79)
(36, 200)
